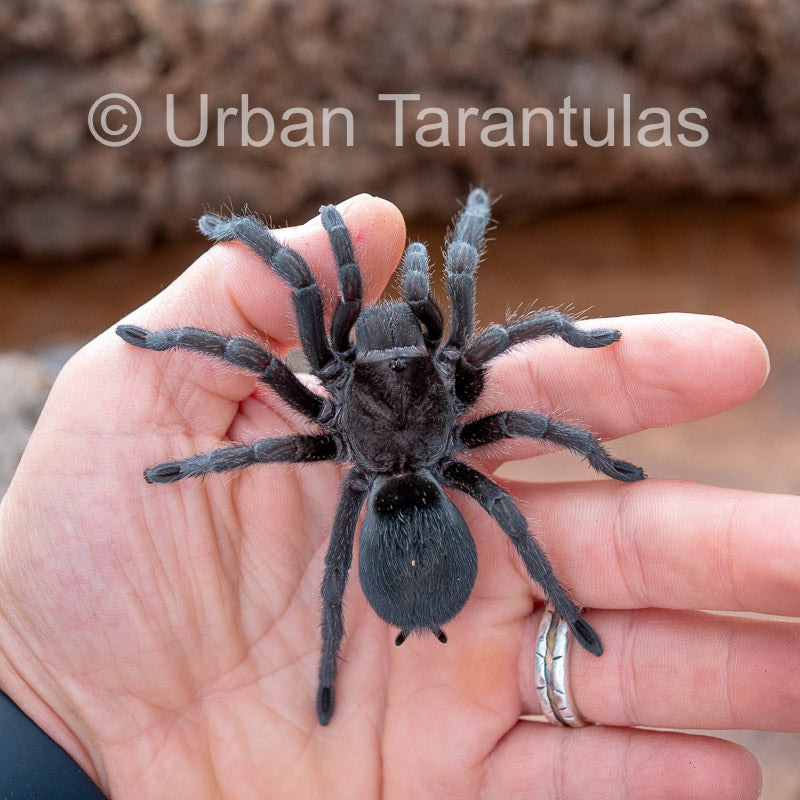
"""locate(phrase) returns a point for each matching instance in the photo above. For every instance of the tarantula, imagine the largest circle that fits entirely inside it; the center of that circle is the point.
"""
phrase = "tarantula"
(394, 408)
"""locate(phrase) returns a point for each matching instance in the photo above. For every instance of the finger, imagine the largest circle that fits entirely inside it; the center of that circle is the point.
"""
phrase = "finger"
(689, 670)
(666, 369)
(669, 544)
(542, 761)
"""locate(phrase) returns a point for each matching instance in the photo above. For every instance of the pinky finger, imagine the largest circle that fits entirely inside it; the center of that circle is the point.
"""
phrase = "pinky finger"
(594, 763)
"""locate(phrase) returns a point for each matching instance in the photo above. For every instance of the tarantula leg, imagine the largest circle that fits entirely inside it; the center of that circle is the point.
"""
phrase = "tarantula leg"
(461, 261)
(417, 288)
(238, 351)
(507, 424)
(337, 565)
(290, 449)
(500, 506)
(350, 287)
(471, 366)
(291, 267)
(498, 339)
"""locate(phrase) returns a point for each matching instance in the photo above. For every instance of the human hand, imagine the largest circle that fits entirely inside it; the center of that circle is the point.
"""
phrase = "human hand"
(168, 636)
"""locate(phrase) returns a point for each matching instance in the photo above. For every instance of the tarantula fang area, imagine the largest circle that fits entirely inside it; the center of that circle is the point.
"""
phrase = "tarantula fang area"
(397, 394)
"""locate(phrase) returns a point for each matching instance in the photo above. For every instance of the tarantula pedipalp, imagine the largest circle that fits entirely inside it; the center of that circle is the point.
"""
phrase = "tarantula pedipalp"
(397, 398)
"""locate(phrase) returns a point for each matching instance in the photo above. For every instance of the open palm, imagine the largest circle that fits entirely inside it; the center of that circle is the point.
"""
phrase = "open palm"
(168, 636)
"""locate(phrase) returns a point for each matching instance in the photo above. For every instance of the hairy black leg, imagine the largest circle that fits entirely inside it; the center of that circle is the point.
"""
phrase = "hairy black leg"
(290, 266)
(350, 287)
(500, 506)
(507, 424)
(461, 261)
(238, 351)
(497, 339)
(417, 288)
(337, 565)
(289, 449)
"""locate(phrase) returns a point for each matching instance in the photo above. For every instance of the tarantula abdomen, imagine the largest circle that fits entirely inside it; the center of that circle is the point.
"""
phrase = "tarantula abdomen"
(417, 560)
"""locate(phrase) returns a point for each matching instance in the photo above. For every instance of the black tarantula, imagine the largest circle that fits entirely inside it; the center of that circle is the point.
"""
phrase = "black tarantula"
(395, 406)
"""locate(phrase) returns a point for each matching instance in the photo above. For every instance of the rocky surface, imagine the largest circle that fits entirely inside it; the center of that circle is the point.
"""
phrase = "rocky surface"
(63, 193)
(24, 384)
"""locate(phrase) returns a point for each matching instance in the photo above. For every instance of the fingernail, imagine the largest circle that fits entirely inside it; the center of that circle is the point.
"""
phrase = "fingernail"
(767, 365)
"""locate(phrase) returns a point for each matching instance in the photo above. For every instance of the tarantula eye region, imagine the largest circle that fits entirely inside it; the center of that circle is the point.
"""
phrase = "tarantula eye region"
(394, 354)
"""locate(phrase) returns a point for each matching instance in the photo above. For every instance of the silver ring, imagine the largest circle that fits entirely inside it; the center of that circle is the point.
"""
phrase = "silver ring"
(552, 645)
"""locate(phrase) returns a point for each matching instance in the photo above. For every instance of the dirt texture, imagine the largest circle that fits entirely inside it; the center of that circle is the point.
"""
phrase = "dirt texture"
(62, 193)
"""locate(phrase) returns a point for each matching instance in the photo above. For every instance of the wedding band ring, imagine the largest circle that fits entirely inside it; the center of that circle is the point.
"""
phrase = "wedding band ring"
(552, 646)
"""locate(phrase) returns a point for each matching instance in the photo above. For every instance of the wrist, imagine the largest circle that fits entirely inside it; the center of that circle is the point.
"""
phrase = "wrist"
(29, 685)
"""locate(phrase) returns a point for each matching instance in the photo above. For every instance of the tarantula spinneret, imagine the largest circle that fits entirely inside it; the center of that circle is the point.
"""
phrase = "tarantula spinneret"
(397, 396)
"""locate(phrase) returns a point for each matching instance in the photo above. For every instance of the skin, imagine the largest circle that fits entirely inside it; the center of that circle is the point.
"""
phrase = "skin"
(168, 636)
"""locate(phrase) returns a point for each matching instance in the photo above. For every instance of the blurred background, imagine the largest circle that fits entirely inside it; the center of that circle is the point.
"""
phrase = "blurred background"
(659, 172)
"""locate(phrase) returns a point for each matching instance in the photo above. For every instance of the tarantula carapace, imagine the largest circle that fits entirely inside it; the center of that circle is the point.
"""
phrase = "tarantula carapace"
(397, 397)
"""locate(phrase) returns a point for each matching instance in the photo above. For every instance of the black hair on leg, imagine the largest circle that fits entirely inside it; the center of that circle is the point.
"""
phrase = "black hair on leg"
(461, 261)
(291, 449)
(470, 367)
(507, 424)
(498, 338)
(291, 267)
(416, 285)
(500, 506)
(240, 352)
(350, 285)
(337, 565)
